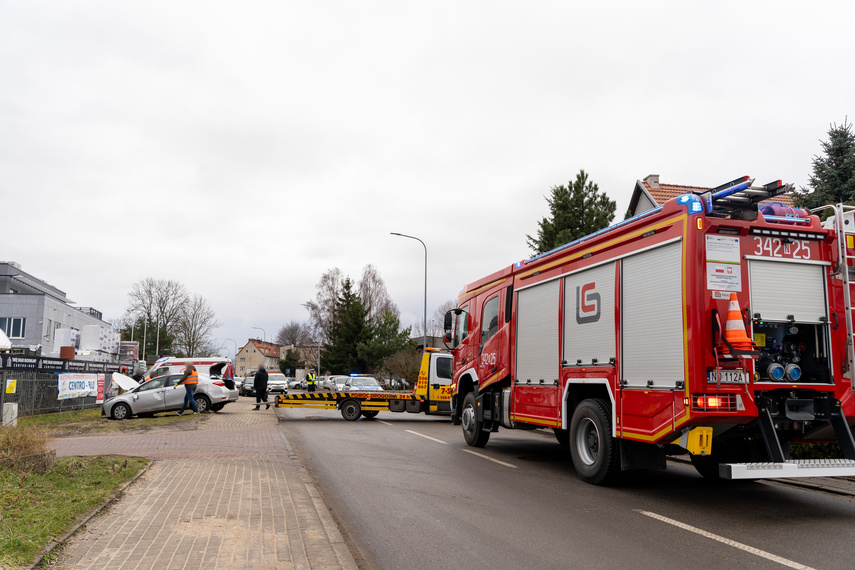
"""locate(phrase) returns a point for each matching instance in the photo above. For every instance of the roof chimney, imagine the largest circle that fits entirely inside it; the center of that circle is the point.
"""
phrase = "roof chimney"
(652, 180)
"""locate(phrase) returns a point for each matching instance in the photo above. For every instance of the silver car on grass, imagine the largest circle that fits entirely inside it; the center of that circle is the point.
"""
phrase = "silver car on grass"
(160, 395)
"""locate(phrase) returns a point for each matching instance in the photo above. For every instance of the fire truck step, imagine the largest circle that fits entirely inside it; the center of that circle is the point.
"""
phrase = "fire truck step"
(788, 469)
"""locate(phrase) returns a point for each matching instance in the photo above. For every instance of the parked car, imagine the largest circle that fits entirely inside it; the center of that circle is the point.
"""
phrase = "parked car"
(362, 383)
(248, 386)
(337, 383)
(277, 383)
(293, 383)
(162, 395)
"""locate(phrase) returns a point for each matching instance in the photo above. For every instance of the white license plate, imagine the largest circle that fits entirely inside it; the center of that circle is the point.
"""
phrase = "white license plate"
(727, 376)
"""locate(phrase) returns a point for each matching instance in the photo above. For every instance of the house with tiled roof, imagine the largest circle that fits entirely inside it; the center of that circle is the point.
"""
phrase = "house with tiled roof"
(650, 193)
(255, 353)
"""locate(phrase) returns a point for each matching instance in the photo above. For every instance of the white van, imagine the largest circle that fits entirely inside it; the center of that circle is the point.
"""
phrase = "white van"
(213, 366)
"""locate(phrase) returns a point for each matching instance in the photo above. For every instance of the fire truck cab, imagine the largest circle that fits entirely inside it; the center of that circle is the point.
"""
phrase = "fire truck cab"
(709, 325)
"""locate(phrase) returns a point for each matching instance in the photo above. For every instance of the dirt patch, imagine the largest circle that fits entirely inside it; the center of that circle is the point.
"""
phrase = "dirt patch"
(169, 421)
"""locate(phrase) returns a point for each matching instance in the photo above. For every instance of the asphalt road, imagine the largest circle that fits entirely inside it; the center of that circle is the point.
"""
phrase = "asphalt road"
(409, 493)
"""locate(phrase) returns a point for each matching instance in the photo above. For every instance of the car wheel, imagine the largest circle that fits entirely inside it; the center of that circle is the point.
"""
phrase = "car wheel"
(203, 403)
(473, 431)
(370, 414)
(218, 407)
(121, 411)
(351, 410)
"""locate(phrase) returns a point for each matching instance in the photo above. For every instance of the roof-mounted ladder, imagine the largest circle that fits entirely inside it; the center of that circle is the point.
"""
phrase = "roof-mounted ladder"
(739, 194)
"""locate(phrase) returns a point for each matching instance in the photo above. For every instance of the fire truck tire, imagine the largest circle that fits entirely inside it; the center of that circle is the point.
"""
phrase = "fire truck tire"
(594, 450)
(351, 410)
(370, 414)
(473, 431)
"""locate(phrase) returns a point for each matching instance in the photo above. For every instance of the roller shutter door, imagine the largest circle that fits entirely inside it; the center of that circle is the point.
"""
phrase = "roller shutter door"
(537, 333)
(652, 317)
(590, 333)
(780, 289)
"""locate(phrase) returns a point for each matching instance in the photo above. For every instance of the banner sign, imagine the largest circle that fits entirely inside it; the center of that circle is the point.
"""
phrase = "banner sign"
(76, 366)
(77, 386)
(100, 398)
(52, 365)
(15, 362)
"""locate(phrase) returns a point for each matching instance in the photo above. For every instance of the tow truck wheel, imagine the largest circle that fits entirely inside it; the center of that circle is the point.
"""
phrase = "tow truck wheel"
(351, 410)
(473, 431)
(592, 446)
(370, 414)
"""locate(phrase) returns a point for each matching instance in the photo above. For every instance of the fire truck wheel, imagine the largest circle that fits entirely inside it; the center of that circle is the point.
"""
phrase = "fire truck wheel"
(473, 431)
(351, 410)
(370, 414)
(592, 446)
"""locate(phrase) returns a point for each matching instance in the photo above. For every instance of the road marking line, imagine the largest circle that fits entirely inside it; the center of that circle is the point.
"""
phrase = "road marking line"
(426, 437)
(384, 423)
(488, 458)
(727, 541)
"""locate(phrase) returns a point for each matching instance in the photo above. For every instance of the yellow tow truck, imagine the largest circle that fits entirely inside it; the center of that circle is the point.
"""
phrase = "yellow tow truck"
(431, 395)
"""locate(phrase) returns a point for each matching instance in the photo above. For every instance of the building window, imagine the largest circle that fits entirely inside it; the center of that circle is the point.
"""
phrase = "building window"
(14, 327)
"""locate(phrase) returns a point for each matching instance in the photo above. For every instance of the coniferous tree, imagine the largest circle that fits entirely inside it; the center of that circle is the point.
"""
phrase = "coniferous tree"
(348, 328)
(577, 210)
(833, 178)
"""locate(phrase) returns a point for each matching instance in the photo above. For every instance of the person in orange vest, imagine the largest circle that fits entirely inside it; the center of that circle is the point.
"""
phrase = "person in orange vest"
(190, 381)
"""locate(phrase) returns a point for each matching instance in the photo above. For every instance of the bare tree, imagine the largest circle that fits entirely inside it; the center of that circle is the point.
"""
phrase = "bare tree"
(158, 300)
(194, 328)
(436, 323)
(294, 333)
(404, 365)
(323, 309)
(375, 297)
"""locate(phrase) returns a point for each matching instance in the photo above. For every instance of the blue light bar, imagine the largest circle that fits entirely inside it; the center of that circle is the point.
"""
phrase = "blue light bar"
(786, 219)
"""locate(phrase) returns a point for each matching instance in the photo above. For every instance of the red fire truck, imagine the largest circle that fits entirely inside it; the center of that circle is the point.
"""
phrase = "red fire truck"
(712, 325)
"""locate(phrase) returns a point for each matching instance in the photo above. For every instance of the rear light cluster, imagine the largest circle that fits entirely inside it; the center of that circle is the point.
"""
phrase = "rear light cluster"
(714, 402)
(219, 383)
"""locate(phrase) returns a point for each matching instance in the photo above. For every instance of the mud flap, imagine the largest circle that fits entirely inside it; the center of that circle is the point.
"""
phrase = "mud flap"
(636, 455)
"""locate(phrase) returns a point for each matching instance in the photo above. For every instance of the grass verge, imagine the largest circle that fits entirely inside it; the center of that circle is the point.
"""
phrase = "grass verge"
(82, 422)
(36, 508)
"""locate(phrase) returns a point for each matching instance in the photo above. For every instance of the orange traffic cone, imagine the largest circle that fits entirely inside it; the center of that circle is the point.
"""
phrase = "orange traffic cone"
(734, 328)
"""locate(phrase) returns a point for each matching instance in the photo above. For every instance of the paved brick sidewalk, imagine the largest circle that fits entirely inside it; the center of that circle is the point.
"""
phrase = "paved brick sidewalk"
(230, 494)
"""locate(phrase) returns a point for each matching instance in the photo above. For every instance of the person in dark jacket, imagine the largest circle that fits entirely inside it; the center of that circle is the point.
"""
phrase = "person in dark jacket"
(260, 384)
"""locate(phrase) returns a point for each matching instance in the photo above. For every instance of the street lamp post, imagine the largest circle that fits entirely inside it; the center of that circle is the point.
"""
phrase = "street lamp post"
(424, 323)
(263, 333)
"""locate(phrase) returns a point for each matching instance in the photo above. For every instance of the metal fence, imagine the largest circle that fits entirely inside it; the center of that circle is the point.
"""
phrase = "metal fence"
(36, 393)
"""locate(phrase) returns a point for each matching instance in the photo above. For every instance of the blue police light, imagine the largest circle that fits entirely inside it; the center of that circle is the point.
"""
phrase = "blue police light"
(691, 202)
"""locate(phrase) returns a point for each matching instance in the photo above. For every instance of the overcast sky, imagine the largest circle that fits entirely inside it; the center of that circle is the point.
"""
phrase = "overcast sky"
(244, 148)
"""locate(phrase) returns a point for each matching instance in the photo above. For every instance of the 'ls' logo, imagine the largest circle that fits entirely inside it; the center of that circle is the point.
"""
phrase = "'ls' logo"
(587, 304)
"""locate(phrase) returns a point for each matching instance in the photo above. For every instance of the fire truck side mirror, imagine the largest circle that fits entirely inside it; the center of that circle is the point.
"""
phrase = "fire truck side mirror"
(448, 325)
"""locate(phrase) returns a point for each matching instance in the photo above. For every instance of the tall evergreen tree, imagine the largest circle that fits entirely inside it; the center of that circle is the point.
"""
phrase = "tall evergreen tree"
(577, 210)
(348, 328)
(385, 339)
(833, 178)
